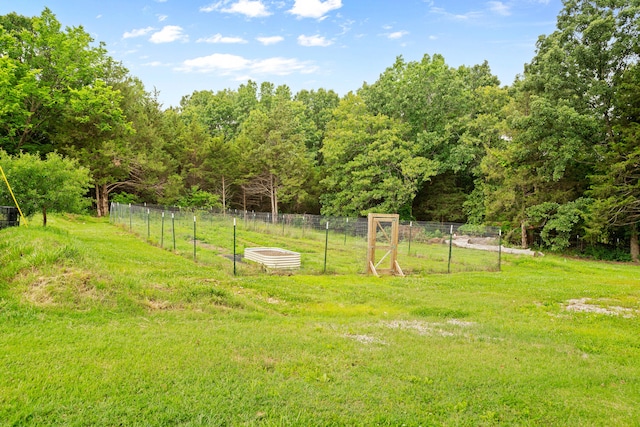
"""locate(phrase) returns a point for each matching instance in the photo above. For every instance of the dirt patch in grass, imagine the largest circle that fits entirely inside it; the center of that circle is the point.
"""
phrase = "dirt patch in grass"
(585, 305)
(365, 339)
(450, 328)
(209, 246)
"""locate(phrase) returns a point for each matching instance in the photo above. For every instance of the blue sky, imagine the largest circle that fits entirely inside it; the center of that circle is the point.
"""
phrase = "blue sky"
(178, 46)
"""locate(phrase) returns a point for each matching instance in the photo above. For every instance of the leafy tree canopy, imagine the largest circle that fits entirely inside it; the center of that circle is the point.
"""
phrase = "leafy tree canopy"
(55, 184)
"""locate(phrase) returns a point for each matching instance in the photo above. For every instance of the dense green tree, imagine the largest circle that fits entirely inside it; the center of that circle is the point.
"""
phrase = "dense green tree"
(95, 134)
(246, 101)
(439, 104)
(539, 160)
(369, 164)
(55, 184)
(57, 95)
(200, 199)
(616, 183)
(149, 162)
(559, 221)
(18, 85)
(274, 158)
(222, 161)
(46, 65)
(319, 106)
(575, 76)
(583, 60)
(216, 112)
(210, 163)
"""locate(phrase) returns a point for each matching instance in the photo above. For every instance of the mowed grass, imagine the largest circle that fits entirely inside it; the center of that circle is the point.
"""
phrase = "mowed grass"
(336, 251)
(98, 327)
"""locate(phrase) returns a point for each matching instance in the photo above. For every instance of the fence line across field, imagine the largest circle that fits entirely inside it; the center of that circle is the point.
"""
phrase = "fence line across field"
(337, 242)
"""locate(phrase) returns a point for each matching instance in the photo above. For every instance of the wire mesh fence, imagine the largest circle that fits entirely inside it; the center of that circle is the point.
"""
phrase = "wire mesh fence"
(333, 245)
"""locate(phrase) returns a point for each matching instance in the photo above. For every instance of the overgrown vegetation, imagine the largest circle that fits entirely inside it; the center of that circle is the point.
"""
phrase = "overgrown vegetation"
(98, 327)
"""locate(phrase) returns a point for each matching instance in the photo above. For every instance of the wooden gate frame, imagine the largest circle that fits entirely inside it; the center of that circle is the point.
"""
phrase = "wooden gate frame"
(375, 223)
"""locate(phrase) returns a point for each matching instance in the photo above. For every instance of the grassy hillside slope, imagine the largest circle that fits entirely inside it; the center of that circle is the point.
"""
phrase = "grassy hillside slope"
(99, 328)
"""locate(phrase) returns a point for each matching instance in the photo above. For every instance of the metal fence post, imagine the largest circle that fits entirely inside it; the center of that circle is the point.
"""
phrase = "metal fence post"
(162, 232)
(450, 245)
(173, 230)
(410, 228)
(326, 244)
(500, 250)
(234, 246)
(345, 231)
(194, 237)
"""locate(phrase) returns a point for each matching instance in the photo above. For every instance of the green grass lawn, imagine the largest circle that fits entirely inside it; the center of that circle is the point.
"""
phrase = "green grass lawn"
(346, 252)
(99, 327)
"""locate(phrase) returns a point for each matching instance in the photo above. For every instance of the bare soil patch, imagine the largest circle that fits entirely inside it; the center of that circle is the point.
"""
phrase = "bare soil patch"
(584, 305)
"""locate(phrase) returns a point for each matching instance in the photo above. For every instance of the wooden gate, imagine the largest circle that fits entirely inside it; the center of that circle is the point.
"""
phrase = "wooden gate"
(387, 226)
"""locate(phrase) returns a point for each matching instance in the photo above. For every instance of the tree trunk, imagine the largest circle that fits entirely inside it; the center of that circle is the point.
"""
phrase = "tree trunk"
(274, 199)
(98, 205)
(224, 195)
(634, 246)
(524, 238)
(244, 198)
(102, 200)
(44, 216)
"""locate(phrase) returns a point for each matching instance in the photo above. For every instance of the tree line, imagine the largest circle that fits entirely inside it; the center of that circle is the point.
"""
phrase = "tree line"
(553, 156)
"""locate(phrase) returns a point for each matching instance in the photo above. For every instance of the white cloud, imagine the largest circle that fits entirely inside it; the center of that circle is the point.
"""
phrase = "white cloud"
(137, 33)
(397, 35)
(153, 64)
(311, 41)
(346, 26)
(314, 8)
(162, 18)
(249, 8)
(270, 40)
(216, 62)
(212, 7)
(243, 78)
(227, 64)
(219, 38)
(457, 17)
(282, 66)
(168, 34)
(499, 8)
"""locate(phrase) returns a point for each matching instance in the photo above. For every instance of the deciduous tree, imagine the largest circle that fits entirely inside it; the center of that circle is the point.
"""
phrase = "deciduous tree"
(369, 164)
(55, 184)
(275, 160)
